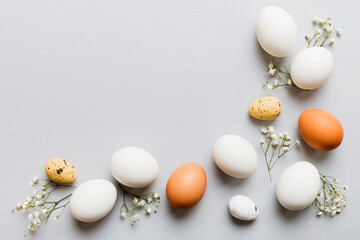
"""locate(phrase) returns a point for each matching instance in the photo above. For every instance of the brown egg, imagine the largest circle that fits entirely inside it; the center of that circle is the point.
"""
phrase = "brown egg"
(186, 186)
(320, 129)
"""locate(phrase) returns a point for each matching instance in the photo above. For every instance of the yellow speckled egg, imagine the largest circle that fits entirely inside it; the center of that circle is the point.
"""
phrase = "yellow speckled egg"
(265, 108)
(61, 171)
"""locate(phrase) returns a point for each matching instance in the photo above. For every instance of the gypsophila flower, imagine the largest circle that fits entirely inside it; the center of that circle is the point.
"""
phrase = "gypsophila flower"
(42, 190)
(156, 196)
(275, 71)
(261, 141)
(35, 180)
(272, 71)
(331, 200)
(275, 147)
(346, 187)
(263, 130)
(323, 33)
(140, 201)
(56, 218)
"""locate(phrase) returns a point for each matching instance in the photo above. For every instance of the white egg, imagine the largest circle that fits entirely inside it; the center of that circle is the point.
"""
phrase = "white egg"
(134, 167)
(312, 67)
(93, 200)
(243, 208)
(235, 156)
(298, 186)
(276, 31)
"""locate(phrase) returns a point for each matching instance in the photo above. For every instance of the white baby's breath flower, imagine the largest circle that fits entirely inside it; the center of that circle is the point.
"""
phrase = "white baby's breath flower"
(318, 31)
(148, 210)
(287, 143)
(346, 187)
(156, 195)
(136, 216)
(149, 200)
(297, 142)
(319, 213)
(336, 182)
(276, 83)
(321, 208)
(289, 82)
(37, 222)
(271, 65)
(135, 200)
(332, 41)
(142, 203)
(333, 213)
(281, 135)
(261, 141)
(122, 214)
(286, 149)
(339, 32)
(271, 129)
(19, 206)
(307, 37)
(263, 130)
(44, 210)
(35, 180)
(269, 86)
(31, 216)
(56, 218)
(32, 184)
(272, 71)
(315, 20)
(275, 144)
(29, 199)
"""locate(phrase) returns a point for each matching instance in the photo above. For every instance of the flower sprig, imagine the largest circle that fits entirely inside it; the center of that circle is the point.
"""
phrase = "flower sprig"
(330, 199)
(144, 201)
(282, 75)
(276, 146)
(323, 34)
(38, 205)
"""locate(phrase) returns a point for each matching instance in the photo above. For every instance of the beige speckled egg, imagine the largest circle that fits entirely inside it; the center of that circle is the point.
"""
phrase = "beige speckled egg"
(61, 171)
(265, 108)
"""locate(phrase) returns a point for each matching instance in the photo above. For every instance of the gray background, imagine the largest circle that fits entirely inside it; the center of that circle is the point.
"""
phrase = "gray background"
(80, 79)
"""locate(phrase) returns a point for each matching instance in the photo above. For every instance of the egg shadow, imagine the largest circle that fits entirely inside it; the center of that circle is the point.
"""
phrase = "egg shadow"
(89, 227)
(242, 223)
(264, 56)
(286, 214)
(226, 179)
(181, 214)
(311, 153)
(259, 122)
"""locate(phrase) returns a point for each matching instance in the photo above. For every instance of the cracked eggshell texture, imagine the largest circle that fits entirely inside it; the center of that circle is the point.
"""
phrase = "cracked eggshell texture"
(276, 31)
(93, 200)
(60, 170)
(134, 167)
(243, 208)
(265, 108)
(298, 186)
(235, 156)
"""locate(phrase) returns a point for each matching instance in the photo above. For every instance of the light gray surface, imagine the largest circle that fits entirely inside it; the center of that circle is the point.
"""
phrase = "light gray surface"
(80, 79)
